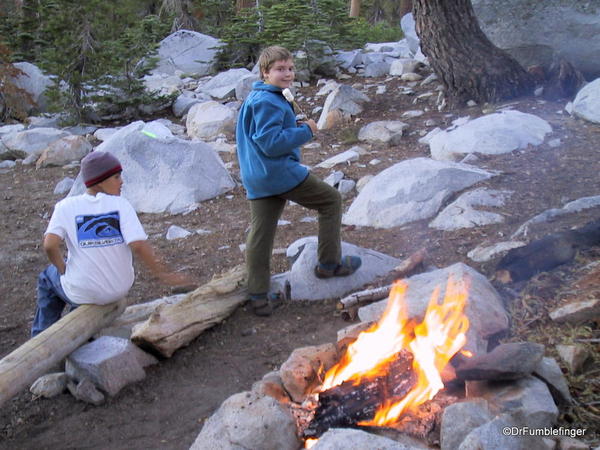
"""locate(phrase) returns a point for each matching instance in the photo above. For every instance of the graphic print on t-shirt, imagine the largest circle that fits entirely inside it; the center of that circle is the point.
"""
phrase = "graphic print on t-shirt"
(100, 230)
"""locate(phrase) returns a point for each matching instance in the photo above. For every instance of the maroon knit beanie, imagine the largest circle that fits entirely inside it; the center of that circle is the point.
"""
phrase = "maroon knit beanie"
(98, 166)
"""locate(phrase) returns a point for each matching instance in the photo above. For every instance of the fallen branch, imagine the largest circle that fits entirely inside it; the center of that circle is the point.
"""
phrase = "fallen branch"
(402, 270)
(39, 354)
(173, 326)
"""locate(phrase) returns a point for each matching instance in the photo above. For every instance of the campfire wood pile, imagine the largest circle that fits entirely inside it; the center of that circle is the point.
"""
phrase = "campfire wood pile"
(347, 405)
(513, 385)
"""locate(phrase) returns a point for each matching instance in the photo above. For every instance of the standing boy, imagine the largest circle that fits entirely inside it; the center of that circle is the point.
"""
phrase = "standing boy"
(268, 141)
(101, 230)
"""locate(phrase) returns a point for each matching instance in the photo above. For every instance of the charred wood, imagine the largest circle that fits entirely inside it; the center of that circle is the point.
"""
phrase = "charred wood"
(348, 404)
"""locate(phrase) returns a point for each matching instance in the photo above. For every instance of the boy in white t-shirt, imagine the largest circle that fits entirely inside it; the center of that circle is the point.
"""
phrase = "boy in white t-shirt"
(101, 231)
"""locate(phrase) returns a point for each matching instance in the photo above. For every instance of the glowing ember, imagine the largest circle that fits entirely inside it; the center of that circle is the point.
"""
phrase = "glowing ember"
(433, 343)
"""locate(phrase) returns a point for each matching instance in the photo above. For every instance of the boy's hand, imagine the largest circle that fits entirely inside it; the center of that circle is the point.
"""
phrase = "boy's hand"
(313, 126)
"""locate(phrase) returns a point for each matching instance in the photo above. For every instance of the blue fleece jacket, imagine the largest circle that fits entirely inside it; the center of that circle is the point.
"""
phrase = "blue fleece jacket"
(268, 142)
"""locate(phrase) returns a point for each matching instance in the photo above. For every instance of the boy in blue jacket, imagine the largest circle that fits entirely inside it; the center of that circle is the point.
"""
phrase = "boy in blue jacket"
(268, 141)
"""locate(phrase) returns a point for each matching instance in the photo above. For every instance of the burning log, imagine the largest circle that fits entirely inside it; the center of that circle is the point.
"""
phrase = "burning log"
(347, 404)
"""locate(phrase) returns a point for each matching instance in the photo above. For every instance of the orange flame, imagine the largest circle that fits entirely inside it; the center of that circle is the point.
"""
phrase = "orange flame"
(433, 343)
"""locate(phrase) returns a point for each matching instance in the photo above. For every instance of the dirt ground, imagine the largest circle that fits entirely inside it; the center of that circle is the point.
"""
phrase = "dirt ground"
(168, 408)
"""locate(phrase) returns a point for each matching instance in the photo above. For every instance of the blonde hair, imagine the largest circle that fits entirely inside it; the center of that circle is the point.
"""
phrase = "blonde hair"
(270, 56)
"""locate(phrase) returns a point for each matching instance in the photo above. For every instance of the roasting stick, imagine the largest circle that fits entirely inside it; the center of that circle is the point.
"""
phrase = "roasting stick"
(370, 295)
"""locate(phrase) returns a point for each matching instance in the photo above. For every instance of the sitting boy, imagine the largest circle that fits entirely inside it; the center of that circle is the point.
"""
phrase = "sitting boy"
(268, 141)
(101, 230)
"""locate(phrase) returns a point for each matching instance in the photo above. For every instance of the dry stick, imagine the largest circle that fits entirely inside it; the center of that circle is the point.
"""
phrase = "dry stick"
(373, 294)
(38, 355)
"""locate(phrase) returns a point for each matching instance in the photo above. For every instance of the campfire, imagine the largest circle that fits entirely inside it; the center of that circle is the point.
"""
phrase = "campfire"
(394, 367)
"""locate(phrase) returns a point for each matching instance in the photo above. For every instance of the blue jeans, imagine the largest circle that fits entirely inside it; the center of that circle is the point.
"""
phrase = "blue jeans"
(51, 300)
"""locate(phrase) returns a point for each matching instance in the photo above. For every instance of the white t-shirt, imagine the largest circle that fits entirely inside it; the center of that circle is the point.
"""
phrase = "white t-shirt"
(97, 231)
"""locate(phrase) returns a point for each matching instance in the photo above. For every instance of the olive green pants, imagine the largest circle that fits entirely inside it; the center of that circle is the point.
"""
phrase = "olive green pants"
(312, 193)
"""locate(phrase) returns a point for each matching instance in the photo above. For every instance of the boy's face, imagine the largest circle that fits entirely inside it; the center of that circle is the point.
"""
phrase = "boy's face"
(281, 74)
(112, 185)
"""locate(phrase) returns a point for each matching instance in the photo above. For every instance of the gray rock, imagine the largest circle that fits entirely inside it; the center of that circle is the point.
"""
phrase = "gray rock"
(31, 142)
(35, 83)
(248, 421)
(407, 23)
(223, 84)
(411, 190)
(508, 361)
(484, 309)
(187, 51)
(345, 99)
(527, 399)
(403, 65)
(577, 312)
(164, 173)
(50, 385)
(7, 164)
(463, 212)
(485, 253)
(493, 134)
(63, 186)
(573, 355)
(341, 158)
(176, 232)
(572, 207)
(493, 436)
(345, 187)
(459, 419)
(349, 59)
(351, 439)
(384, 131)
(64, 150)
(377, 69)
(587, 102)
(184, 102)
(519, 26)
(304, 284)
(85, 391)
(110, 363)
(334, 178)
(102, 134)
(208, 120)
(549, 371)
(244, 86)
(8, 129)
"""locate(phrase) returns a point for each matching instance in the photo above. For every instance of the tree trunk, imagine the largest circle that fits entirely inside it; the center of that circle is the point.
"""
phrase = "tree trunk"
(242, 4)
(39, 354)
(464, 59)
(405, 7)
(354, 8)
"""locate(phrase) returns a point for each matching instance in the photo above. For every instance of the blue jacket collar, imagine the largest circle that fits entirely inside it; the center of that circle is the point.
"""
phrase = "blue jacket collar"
(262, 86)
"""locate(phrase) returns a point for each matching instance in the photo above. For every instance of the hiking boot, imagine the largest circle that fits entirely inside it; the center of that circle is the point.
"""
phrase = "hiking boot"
(264, 305)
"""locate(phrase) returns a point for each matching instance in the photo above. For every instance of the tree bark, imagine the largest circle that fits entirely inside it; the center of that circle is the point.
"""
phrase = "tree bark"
(173, 326)
(354, 8)
(464, 59)
(38, 355)
(405, 7)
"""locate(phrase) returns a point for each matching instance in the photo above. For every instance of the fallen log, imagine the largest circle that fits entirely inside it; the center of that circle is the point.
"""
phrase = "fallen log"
(402, 270)
(19, 369)
(123, 325)
(173, 326)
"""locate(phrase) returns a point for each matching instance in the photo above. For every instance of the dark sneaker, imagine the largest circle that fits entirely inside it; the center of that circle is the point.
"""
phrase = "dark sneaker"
(347, 266)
